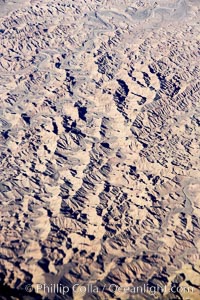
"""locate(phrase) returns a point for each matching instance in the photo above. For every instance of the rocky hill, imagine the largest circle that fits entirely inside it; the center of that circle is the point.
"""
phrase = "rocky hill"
(99, 150)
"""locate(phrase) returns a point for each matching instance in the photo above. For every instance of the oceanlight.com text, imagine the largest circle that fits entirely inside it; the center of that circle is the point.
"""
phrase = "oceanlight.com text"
(94, 289)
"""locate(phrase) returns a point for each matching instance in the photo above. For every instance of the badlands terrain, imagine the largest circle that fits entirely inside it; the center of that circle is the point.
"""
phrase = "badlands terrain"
(99, 150)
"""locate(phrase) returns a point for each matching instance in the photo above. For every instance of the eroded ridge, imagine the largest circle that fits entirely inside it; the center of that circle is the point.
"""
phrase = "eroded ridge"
(99, 161)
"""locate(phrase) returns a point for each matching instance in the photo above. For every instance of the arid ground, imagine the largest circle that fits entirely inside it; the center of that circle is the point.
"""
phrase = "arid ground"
(99, 150)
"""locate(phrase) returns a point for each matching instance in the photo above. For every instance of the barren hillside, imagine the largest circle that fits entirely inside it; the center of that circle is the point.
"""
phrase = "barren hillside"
(99, 150)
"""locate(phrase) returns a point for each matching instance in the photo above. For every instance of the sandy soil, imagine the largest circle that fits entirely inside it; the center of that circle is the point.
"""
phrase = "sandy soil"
(99, 150)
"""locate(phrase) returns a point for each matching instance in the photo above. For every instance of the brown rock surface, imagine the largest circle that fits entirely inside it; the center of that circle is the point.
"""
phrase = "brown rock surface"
(99, 150)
